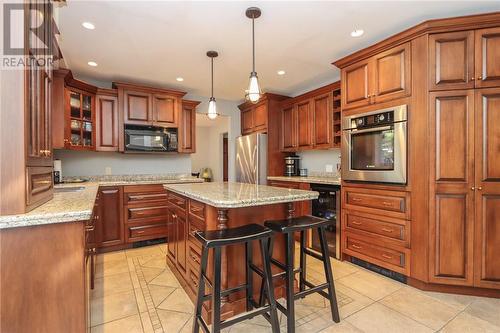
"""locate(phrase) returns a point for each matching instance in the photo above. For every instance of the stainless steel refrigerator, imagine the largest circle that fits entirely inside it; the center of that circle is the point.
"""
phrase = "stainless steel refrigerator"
(251, 159)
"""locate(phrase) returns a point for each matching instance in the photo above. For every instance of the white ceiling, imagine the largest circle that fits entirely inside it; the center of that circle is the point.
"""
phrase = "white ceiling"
(155, 42)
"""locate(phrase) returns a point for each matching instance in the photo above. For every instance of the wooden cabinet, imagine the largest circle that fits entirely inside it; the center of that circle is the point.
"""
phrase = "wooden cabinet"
(451, 60)
(247, 121)
(106, 120)
(302, 207)
(141, 105)
(487, 57)
(381, 78)
(487, 183)
(187, 128)
(109, 228)
(254, 118)
(79, 132)
(451, 209)
(311, 120)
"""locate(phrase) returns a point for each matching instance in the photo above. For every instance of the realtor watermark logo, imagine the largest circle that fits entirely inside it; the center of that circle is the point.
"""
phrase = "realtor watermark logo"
(26, 35)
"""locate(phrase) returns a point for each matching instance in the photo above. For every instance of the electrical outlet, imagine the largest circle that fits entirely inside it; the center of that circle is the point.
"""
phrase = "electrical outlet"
(329, 168)
(107, 170)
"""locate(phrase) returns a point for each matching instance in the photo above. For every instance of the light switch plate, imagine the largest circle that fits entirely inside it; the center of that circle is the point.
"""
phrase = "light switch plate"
(329, 168)
(107, 170)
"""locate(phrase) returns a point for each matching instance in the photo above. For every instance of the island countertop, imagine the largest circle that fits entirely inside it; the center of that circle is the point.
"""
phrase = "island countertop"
(236, 195)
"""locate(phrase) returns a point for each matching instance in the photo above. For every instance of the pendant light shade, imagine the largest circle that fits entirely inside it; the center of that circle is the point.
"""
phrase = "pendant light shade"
(212, 106)
(253, 92)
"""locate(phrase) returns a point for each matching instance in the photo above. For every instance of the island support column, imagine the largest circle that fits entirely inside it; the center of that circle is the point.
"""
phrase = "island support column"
(222, 220)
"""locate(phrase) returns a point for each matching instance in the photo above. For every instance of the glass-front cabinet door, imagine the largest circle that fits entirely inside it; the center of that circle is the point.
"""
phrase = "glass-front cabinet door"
(80, 120)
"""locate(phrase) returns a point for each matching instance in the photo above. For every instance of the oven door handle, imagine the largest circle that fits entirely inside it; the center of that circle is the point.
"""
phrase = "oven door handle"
(374, 129)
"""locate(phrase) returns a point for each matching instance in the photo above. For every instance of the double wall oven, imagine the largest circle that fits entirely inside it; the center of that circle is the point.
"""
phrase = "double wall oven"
(374, 147)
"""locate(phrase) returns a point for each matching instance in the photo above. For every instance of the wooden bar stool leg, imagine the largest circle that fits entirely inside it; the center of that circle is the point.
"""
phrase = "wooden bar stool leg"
(268, 278)
(329, 275)
(216, 291)
(201, 290)
(249, 274)
(302, 277)
(290, 304)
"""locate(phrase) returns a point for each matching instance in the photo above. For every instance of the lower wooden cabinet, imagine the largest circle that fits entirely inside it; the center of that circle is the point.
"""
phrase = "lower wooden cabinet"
(109, 224)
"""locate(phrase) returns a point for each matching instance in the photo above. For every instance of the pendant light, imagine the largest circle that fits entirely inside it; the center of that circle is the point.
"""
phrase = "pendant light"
(253, 93)
(212, 108)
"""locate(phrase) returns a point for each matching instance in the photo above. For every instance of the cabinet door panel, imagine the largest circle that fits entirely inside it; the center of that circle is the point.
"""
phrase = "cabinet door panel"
(260, 117)
(304, 124)
(355, 85)
(181, 240)
(487, 239)
(107, 123)
(137, 107)
(172, 235)
(247, 121)
(165, 110)
(392, 74)
(288, 129)
(452, 177)
(451, 60)
(487, 57)
(323, 121)
(187, 133)
(110, 227)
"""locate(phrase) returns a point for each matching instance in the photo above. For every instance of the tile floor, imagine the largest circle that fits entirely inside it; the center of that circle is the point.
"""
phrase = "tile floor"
(135, 292)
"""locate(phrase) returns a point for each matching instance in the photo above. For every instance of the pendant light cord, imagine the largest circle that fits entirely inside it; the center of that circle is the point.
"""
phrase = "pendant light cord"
(253, 44)
(212, 77)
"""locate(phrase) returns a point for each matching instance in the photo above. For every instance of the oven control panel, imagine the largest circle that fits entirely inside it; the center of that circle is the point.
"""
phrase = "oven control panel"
(373, 120)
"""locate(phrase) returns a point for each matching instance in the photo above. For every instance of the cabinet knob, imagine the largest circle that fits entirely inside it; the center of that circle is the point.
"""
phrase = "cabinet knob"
(479, 77)
(479, 188)
(472, 188)
(472, 78)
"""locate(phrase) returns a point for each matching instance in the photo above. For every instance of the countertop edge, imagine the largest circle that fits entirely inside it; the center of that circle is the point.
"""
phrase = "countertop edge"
(309, 179)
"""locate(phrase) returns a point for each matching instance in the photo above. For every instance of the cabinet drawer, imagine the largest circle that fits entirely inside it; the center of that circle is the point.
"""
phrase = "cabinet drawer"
(376, 226)
(377, 254)
(382, 202)
(146, 212)
(194, 226)
(278, 183)
(197, 208)
(194, 255)
(157, 230)
(40, 185)
(177, 200)
(193, 278)
(145, 197)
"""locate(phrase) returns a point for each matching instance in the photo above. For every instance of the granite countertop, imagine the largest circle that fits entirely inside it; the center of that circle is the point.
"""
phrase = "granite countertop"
(236, 195)
(309, 179)
(72, 206)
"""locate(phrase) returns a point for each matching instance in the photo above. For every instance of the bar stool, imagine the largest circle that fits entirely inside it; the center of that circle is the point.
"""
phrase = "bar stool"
(288, 227)
(217, 239)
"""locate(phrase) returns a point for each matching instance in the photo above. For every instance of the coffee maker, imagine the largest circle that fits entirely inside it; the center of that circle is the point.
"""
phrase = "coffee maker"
(292, 167)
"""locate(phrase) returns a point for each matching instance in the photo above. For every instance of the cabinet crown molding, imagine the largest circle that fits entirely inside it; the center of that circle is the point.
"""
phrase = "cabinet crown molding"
(149, 89)
(449, 24)
(265, 97)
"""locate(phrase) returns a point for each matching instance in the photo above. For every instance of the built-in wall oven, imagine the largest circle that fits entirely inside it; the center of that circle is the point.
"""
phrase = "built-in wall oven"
(374, 146)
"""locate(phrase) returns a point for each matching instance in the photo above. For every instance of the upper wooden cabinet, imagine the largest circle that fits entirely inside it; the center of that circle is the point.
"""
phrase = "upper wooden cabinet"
(311, 120)
(187, 128)
(451, 60)
(254, 118)
(383, 77)
(247, 120)
(464, 59)
(106, 120)
(142, 105)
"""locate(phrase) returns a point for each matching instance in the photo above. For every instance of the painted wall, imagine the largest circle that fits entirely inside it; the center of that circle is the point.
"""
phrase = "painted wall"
(316, 160)
(82, 163)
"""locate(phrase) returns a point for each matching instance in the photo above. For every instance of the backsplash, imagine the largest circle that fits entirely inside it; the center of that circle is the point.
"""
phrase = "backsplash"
(318, 160)
(114, 178)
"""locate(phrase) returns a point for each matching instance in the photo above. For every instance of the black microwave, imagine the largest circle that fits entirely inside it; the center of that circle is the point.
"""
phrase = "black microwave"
(139, 138)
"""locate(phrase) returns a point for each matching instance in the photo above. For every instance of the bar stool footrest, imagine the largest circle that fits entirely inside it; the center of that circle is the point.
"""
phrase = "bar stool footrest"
(244, 316)
(314, 289)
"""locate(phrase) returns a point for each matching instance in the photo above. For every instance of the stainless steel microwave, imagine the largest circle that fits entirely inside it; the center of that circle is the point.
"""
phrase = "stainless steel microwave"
(374, 146)
(139, 138)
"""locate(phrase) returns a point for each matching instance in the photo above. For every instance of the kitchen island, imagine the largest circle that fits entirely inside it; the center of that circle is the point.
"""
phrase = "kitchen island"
(218, 206)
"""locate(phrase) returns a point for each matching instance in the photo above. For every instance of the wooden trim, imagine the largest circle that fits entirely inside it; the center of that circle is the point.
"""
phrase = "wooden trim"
(78, 84)
(450, 24)
(148, 89)
(264, 98)
(462, 290)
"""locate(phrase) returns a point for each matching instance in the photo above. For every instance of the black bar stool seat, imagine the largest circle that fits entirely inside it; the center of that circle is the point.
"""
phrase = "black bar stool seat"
(216, 240)
(288, 227)
(246, 233)
(296, 224)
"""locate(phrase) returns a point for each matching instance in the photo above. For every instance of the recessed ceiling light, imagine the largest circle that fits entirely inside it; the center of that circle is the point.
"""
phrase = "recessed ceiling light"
(180, 79)
(357, 33)
(92, 63)
(281, 72)
(88, 25)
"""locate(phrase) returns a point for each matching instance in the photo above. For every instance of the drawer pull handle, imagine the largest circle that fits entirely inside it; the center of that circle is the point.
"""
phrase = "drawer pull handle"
(42, 182)
(195, 258)
(356, 223)
(140, 231)
(357, 199)
(387, 204)
(357, 246)
(386, 256)
(387, 230)
(196, 209)
(90, 228)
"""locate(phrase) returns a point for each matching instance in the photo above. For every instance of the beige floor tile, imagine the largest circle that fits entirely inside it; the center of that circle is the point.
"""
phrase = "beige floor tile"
(341, 269)
(155, 262)
(141, 302)
(459, 302)
(146, 323)
(188, 327)
(487, 309)
(342, 327)
(159, 293)
(378, 318)
(370, 284)
(465, 323)
(173, 321)
(110, 256)
(111, 267)
(350, 300)
(178, 300)
(419, 307)
(143, 251)
(245, 327)
(111, 284)
(151, 273)
(113, 307)
(130, 324)
(166, 279)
